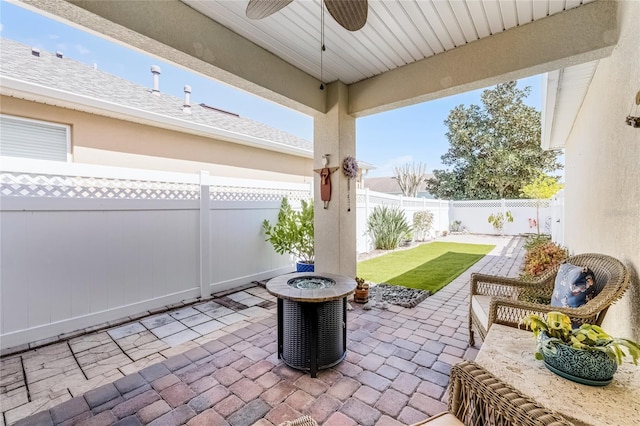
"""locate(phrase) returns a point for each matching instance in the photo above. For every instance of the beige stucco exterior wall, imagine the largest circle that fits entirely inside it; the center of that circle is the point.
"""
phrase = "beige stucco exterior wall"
(102, 140)
(602, 206)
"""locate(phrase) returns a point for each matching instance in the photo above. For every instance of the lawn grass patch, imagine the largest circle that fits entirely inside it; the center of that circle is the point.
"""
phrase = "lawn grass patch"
(426, 267)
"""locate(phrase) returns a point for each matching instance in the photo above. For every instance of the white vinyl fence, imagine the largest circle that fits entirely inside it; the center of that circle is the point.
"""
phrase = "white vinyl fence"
(82, 245)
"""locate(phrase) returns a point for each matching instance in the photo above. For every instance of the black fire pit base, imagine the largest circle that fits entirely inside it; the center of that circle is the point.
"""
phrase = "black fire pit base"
(312, 336)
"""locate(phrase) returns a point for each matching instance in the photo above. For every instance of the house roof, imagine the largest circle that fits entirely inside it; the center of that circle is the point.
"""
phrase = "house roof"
(61, 81)
(389, 185)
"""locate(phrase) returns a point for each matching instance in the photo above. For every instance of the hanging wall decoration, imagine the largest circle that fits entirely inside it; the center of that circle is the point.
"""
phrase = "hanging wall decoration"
(634, 120)
(325, 180)
(350, 170)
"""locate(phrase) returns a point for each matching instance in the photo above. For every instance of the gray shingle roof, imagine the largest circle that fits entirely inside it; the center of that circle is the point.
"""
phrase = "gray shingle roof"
(75, 77)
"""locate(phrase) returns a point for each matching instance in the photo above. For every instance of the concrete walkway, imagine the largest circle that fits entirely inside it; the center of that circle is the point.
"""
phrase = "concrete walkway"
(215, 363)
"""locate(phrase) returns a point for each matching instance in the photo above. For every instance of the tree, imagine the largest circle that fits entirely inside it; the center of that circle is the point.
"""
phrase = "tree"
(494, 149)
(410, 176)
(542, 187)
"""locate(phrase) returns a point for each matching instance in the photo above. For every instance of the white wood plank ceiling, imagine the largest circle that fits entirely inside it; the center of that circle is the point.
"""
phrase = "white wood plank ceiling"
(398, 32)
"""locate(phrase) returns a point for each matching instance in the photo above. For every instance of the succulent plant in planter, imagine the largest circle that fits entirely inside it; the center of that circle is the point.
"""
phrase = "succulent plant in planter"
(586, 355)
(293, 233)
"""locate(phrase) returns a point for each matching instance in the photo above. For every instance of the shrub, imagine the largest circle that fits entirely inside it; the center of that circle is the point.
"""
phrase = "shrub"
(422, 222)
(542, 257)
(535, 240)
(293, 232)
(387, 226)
(456, 226)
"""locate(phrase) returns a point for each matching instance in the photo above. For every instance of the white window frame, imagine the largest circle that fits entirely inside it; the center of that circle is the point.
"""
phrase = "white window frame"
(67, 128)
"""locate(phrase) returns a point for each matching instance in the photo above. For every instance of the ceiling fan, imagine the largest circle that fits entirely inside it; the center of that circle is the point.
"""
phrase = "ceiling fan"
(351, 14)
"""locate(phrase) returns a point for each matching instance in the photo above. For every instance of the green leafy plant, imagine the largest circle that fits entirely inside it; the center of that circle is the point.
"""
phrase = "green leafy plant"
(541, 257)
(535, 240)
(542, 187)
(422, 222)
(456, 226)
(588, 337)
(497, 220)
(293, 232)
(387, 226)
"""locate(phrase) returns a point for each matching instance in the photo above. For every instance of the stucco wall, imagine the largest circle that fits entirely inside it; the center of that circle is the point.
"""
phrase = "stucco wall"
(603, 169)
(102, 140)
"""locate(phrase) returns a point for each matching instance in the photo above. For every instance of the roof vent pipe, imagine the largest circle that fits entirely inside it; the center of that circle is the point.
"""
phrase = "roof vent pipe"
(155, 70)
(35, 51)
(59, 54)
(187, 100)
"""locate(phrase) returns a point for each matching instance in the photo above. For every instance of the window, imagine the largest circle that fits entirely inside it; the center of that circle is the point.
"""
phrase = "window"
(21, 137)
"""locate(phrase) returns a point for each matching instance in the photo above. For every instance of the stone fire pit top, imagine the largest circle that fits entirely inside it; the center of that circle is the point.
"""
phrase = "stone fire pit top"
(279, 287)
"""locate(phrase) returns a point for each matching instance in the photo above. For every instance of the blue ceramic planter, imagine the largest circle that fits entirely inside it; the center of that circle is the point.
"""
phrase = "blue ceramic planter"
(304, 267)
(593, 368)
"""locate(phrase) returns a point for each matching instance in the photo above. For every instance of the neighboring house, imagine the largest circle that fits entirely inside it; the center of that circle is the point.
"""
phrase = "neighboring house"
(389, 185)
(56, 108)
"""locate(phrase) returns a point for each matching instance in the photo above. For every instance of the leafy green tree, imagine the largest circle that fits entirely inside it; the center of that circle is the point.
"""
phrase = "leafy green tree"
(410, 176)
(494, 149)
(542, 187)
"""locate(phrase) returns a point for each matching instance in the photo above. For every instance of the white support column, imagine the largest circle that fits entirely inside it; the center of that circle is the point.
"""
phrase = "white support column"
(335, 226)
(205, 235)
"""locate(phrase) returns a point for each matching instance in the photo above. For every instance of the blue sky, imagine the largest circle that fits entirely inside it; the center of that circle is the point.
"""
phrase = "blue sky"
(410, 134)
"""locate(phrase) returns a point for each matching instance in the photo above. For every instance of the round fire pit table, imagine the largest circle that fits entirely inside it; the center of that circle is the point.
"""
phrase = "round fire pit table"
(312, 319)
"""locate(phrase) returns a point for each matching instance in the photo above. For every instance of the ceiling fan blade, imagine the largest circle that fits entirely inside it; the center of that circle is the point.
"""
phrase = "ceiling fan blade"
(351, 14)
(258, 9)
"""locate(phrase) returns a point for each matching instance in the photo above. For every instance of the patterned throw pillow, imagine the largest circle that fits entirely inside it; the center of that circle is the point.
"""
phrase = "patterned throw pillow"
(575, 286)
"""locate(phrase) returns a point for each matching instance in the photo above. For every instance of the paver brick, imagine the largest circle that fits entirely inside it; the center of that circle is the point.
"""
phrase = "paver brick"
(441, 367)
(401, 364)
(388, 372)
(203, 384)
(129, 383)
(323, 407)
(367, 395)
(312, 386)
(228, 405)
(178, 416)
(348, 369)
(128, 421)
(406, 383)
(226, 358)
(134, 404)
(278, 393)
(388, 421)
(165, 382)
(197, 373)
(340, 419)
(371, 362)
(176, 362)
(227, 376)
(153, 411)
(208, 398)
(43, 418)
(242, 364)
(384, 349)
(410, 415)
(373, 380)
(282, 413)
(431, 389)
(257, 369)
(154, 372)
(427, 405)
(69, 409)
(391, 402)
(246, 389)
(250, 413)
(208, 418)
(214, 346)
(101, 395)
(344, 388)
(432, 376)
(362, 413)
(268, 380)
(299, 400)
(177, 394)
(103, 419)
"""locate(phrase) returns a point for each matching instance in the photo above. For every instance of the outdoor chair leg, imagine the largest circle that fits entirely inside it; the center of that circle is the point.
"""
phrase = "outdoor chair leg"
(472, 341)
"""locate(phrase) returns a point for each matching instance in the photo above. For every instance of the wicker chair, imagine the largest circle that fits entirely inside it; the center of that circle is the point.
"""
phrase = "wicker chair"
(500, 300)
(477, 398)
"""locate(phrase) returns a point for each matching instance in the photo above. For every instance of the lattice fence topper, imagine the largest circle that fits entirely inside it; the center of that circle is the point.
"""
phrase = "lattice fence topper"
(238, 193)
(489, 203)
(32, 185)
(527, 203)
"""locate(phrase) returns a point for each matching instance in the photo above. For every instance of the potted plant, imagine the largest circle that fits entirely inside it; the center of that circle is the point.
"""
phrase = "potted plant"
(362, 291)
(586, 355)
(293, 233)
(497, 220)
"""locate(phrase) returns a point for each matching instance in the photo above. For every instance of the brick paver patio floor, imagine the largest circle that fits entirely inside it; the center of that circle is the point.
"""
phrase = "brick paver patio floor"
(215, 363)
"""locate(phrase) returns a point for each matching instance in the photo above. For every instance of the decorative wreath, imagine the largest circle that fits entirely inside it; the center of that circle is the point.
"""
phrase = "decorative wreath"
(350, 167)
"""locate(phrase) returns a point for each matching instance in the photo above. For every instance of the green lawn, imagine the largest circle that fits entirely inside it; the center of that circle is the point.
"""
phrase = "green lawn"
(426, 267)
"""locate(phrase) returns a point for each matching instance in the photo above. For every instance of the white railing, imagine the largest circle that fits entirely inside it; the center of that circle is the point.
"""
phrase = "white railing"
(82, 245)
